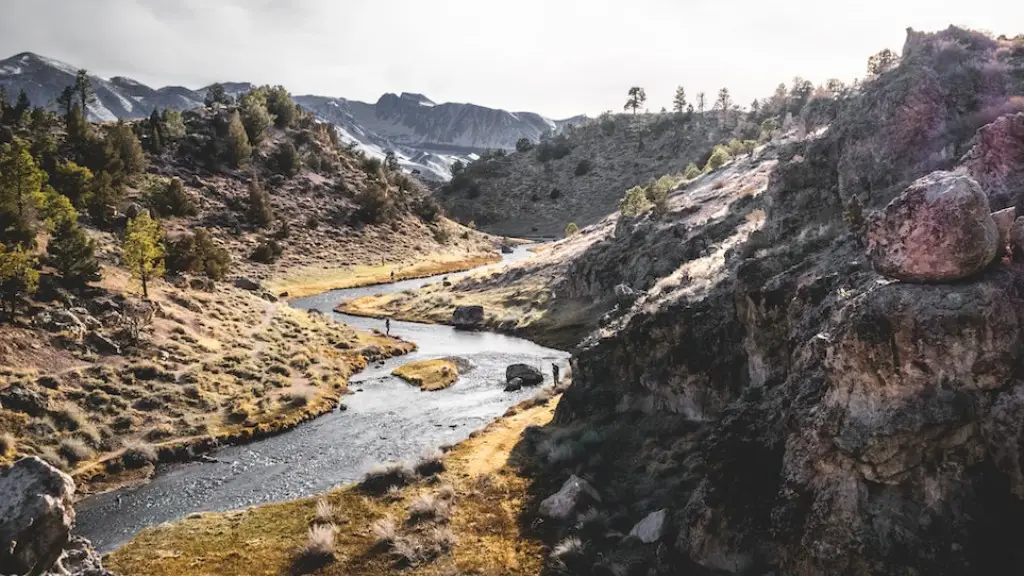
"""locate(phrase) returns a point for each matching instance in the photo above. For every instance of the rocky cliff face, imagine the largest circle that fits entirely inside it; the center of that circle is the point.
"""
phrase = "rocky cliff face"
(796, 412)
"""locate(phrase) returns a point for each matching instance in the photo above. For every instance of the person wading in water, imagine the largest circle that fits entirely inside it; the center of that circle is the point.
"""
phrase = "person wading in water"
(387, 326)
(554, 372)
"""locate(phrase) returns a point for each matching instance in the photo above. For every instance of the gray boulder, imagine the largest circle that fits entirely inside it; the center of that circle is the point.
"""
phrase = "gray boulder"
(101, 344)
(506, 249)
(57, 320)
(1017, 236)
(18, 398)
(514, 385)
(468, 317)
(134, 210)
(938, 230)
(562, 504)
(650, 528)
(36, 516)
(246, 283)
(626, 296)
(528, 375)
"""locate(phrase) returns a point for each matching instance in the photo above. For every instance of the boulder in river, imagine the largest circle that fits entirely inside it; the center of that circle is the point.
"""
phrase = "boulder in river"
(514, 385)
(36, 516)
(506, 249)
(939, 229)
(468, 317)
(528, 375)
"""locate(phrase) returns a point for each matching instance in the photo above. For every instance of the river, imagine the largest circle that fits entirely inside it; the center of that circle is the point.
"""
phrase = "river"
(386, 420)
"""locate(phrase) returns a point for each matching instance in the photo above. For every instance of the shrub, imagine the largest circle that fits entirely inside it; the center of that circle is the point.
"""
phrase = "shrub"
(427, 507)
(374, 203)
(571, 229)
(172, 200)
(286, 159)
(198, 254)
(319, 549)
(74, 450)
(267, 252)
(326, 513)
(443, 539)
(430, 464)
(260, 213)
(555, 149)
(382, 477)
(583, 168)
(371, 166)
(427, 208)
(719, 157)
(634, 202)
(7, 445)
(138, 455)
(385, 531)
(524, 145)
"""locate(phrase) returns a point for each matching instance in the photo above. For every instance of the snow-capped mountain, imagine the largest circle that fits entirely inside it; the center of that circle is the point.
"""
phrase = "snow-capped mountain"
(427, 137)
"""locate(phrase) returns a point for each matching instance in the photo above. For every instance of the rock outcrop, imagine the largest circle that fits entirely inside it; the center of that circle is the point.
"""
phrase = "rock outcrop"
(36, 516)
(562, 504)
(940, 229)
(468, 317)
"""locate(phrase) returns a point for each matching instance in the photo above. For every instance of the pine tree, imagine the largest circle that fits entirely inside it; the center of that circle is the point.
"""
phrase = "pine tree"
(17, 275)
(724, 103)
(73, 181)
(156, 132)
(103, 198)
(255, 116)
(281, 106)
(143, 251)
(679, 102)
(391, 161)
(636, 100)
(260, 213)
(126, 150)
(701, 104)
(78, 128)
(73, 254)
(66, 100)
(174, 125)
(83, 89)
(215, 94)
(239, 149)
(21, 183)
(19, 113)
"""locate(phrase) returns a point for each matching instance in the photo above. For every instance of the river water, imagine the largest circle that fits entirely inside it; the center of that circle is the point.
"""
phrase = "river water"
(386, 420)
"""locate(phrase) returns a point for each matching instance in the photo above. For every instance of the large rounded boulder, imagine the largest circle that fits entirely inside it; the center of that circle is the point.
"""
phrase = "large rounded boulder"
(938, 230)
(36, 516)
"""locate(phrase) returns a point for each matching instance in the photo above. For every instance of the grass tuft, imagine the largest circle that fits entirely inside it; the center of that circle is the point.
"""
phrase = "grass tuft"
(319, 550)
(382, 477)
(428, 507)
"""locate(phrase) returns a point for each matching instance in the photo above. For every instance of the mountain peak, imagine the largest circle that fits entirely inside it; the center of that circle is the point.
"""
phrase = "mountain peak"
(15, 64)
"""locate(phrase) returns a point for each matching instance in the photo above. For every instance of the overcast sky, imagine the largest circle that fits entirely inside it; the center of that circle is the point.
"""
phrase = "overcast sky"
(555, 57)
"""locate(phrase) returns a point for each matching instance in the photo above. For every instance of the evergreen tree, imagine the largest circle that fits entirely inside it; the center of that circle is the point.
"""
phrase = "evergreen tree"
(172, 200)
(391, 161)
(174, 125)
(281, 106)
(143, 251)
(17, 275)
(84, 91)
(73, 181)
(287, 159)
(103, 199)
(155, 129)
(78, 127)
(255, 116)
(73, 253)
(21, 183)
(66, 100)
(19, 114)
(198, 254)
(701, 104)
(636, 100)
(679, 102)
(125, 149)
(215, 94)
(724, 103)
(882, 62)
(260, 213)
(238, 147)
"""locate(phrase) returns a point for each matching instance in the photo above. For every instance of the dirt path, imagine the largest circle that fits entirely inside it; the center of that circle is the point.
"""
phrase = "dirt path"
(489, 452)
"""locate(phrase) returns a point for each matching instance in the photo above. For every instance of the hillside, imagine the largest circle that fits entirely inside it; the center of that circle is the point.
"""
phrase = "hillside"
(754, 396)
(103, 376)
(427, 137)
(581, 176)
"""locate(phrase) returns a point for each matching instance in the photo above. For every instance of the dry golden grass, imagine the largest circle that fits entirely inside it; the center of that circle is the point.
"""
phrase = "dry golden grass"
(429, 375)
(314, 280)
(483, 535)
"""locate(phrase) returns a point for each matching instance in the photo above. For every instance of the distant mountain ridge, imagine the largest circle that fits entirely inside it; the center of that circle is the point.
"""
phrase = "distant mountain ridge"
(427, 137)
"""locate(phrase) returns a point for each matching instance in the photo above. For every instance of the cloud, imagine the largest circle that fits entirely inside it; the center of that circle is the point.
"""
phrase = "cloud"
(557, 57)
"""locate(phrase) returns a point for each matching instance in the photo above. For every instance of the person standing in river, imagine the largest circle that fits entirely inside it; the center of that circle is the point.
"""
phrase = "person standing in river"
(554, 373)
(387, 326)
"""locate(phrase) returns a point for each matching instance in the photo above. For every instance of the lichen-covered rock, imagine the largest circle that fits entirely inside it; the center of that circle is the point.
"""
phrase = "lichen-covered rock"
(246, 283)
(561, 504)
(1017, 236)
(996, 160)
(36, 516)
(938, 230)
(468, 317)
